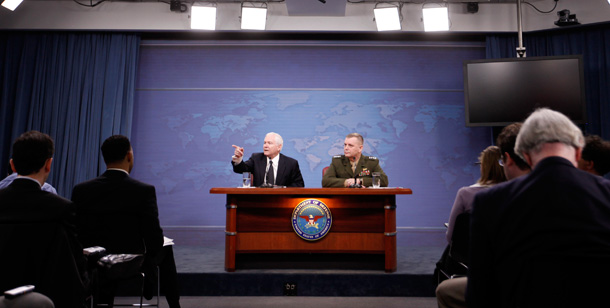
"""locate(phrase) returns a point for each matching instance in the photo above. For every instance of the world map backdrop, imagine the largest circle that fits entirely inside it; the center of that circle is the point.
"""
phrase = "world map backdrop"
(182, 139)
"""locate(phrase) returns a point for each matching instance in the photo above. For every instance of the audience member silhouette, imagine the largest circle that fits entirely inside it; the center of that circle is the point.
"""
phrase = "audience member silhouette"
(492, 173)
(452, 292)
(537, 240)
(595, 156)
(59, 270)
(120, 214)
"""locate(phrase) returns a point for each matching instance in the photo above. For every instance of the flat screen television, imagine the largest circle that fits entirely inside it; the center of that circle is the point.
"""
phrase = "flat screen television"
(498, 92)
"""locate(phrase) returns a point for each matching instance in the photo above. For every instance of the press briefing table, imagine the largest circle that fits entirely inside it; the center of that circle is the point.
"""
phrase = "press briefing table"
(259, 220)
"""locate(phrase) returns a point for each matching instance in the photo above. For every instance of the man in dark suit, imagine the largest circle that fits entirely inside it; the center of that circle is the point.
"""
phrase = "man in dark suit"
(120, 214)
(269, 167)
(539, 240)
(25, 206)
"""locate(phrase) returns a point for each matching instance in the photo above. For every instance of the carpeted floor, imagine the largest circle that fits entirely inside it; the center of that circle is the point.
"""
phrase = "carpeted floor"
(202, 251)
(199, 258)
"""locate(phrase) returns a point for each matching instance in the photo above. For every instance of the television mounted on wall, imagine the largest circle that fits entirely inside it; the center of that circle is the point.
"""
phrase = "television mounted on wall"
(499, 92)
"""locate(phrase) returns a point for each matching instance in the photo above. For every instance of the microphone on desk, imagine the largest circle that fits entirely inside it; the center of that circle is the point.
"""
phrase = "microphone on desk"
(355, 185)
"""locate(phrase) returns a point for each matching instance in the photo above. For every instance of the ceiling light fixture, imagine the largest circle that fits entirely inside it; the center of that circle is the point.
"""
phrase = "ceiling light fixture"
(387, 18)
(11, 4)
(203, 17)
(253, 17)
(436, 19)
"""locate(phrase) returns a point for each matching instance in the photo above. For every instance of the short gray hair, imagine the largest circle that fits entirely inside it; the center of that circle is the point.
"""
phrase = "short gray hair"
(357, 136)
(278, 138)
(547, 126)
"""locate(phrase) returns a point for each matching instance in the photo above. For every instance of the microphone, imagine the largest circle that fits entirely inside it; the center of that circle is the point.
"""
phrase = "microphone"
(355, 185)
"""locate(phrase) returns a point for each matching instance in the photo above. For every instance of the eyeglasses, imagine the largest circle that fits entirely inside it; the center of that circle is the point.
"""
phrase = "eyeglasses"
(501, 162)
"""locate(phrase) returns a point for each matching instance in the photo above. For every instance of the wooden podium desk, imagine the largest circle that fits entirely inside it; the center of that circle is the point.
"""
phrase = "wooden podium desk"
(259, 220)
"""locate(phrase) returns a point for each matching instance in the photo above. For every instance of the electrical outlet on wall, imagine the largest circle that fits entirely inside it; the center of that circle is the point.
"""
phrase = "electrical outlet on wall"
(290, 289)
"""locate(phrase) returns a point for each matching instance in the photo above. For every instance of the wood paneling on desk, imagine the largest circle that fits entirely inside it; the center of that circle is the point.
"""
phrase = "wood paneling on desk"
(259, 220)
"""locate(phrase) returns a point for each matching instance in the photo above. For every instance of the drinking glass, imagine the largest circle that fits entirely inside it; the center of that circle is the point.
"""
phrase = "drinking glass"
(246, 180)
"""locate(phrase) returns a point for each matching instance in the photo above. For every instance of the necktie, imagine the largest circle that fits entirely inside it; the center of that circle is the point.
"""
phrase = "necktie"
(270, 176)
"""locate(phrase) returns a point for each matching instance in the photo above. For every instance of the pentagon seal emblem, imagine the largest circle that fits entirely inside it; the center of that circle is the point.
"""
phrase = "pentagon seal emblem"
(311, 219)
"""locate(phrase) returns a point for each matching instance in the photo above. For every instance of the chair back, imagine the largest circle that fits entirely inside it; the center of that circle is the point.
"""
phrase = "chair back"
(324, 170)
(460, 239)
(118, 232)
(42, 254)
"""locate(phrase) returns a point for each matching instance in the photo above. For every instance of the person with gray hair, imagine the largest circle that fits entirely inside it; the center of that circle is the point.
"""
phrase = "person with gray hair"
(269, 168)
(549, 131)
(537, 240)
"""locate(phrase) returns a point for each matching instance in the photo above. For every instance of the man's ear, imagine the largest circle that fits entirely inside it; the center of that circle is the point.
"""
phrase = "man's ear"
(508, 161)
(47, 165)
(12, 165)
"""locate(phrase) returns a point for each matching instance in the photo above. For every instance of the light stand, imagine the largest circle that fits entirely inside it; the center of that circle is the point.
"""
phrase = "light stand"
(520, 48)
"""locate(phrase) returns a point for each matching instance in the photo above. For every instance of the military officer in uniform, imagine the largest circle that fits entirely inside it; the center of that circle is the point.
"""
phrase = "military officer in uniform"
(343, 168)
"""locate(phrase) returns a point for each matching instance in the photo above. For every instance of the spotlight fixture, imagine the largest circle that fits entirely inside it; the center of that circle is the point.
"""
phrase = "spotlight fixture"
(387, 18)
(324, 1)
(203, 17)
(566, 19)
(436, 19)
(11, 4)
(253, 18)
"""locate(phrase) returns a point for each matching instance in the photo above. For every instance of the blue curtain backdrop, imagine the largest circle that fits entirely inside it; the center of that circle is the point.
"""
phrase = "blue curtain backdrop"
(76, 87)
(593, 42)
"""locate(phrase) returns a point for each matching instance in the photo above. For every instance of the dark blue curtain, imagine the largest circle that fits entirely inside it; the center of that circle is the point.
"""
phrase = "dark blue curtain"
(592, 41)
(78, 88)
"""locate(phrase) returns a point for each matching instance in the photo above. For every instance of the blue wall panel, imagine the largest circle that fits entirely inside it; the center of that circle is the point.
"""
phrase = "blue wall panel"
(193, 102)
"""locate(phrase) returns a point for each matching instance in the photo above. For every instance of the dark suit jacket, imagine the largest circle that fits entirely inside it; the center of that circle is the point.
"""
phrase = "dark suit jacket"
(118, 213)
(288, 172)
(540, 238)
(38, 244)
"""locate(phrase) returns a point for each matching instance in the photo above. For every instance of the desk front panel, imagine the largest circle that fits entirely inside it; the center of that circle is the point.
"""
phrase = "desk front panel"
(260, 221)
(360, 214)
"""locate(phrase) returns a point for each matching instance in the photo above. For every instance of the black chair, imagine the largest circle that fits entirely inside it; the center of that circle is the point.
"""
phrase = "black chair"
(460, 240)
(454, 261)
(119, 231)
(118, 274)
(44, 255)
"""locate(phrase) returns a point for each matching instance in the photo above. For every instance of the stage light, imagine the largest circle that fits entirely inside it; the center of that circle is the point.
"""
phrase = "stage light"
(11, 4)
(253, 18)
(387, 18)
(436, 19)
(203, 17)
